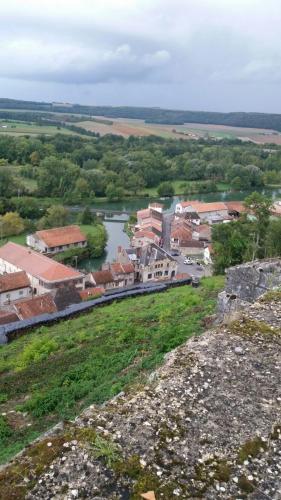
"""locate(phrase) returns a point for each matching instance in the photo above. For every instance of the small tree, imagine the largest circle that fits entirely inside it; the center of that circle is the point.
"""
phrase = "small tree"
(260, 207)
(11, 224)
(166, 189)
(56, 216)
(86, 217)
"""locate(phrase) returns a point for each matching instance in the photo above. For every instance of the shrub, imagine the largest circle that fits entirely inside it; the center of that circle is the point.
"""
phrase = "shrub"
(5, 429)
(37, 350)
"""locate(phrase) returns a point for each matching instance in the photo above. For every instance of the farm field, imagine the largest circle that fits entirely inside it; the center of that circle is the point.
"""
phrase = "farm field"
(23, 128)
(126, 127)
(89, 359)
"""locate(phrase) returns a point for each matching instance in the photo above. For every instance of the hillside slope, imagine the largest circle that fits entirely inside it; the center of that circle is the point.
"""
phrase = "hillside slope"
(54, 372)
(207, 425)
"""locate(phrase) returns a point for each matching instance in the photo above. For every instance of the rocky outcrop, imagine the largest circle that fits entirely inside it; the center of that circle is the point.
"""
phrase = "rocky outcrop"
(207, 425)
(245, 284)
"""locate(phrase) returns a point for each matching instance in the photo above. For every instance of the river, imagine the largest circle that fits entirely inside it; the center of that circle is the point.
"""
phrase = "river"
(115, 224)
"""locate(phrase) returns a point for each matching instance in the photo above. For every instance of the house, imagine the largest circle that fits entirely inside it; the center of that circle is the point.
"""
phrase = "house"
(58, 239)
(35, 306)
(158, 207)
(14, 286)
(194, 249)
(202, 233)
(235, 208)
(91, 293)
(179, 234)
(188, 217)
(123, 274)
(144, 237)
(45, 275)
(208, 212)
(155, 264)
(151, 263)
(66, 295)
(150, 220)
(7, 316)
(103, 279)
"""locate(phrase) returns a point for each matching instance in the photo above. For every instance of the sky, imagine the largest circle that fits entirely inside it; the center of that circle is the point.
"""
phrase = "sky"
(213, 55)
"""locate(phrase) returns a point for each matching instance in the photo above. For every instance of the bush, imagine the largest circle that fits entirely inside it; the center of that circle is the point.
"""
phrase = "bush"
(37, 350)
(5, 429)
(166, 189)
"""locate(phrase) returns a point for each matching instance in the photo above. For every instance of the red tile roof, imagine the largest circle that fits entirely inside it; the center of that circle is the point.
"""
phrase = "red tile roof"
(7, 317)
(59, 236)
(181, 233)
(13, 281)
(143, 214)
(143, 233)
(201, 207)
(237, 206)
(192, 244)
(91, 292)
(102, 277)
(28, 308)
(128, 268)
(36, 264)
(118, 268)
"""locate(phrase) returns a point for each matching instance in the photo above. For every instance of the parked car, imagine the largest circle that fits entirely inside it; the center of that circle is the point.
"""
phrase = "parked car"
(188, 260)
(175, 253)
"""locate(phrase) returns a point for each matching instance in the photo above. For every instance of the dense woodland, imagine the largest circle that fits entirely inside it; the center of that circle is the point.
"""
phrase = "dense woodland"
(75, 169)
(154, 115)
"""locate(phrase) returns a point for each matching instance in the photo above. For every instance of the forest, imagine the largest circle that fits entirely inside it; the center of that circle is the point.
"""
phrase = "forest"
(76, 169)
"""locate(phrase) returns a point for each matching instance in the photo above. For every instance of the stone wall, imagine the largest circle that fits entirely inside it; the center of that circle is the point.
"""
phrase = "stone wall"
(245, 284)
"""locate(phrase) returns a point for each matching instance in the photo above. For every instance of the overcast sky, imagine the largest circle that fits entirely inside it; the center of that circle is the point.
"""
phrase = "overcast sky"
(220, 55)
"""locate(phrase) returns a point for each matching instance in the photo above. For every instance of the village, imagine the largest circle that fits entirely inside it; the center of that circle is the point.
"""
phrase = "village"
(164, 246)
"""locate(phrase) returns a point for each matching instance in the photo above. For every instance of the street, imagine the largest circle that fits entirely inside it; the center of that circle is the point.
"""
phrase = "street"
(192, 269)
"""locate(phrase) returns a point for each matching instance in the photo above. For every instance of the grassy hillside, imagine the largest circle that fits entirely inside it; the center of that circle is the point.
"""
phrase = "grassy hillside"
(52, 373)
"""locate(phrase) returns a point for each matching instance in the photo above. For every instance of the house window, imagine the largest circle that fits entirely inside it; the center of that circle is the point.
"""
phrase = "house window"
(166, 273)
(149, 276)
(159, 273)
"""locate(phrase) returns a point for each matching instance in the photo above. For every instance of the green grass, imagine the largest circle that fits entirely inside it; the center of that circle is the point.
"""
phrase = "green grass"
(180, 187)
(53, 372)
(20, 239)
(22, 128)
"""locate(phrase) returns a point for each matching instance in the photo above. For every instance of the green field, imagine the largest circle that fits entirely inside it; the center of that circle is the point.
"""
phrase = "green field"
(181, 186)
(20, 239)
(23, 128)
(54, 372)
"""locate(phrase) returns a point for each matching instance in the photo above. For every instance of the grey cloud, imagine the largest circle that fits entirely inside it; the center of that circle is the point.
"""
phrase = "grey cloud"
(198, 49)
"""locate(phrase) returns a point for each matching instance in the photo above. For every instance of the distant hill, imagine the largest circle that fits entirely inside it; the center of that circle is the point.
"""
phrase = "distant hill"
(153, 115)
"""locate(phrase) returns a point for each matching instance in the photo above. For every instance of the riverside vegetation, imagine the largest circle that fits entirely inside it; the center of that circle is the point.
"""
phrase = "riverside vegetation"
(53, 372)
